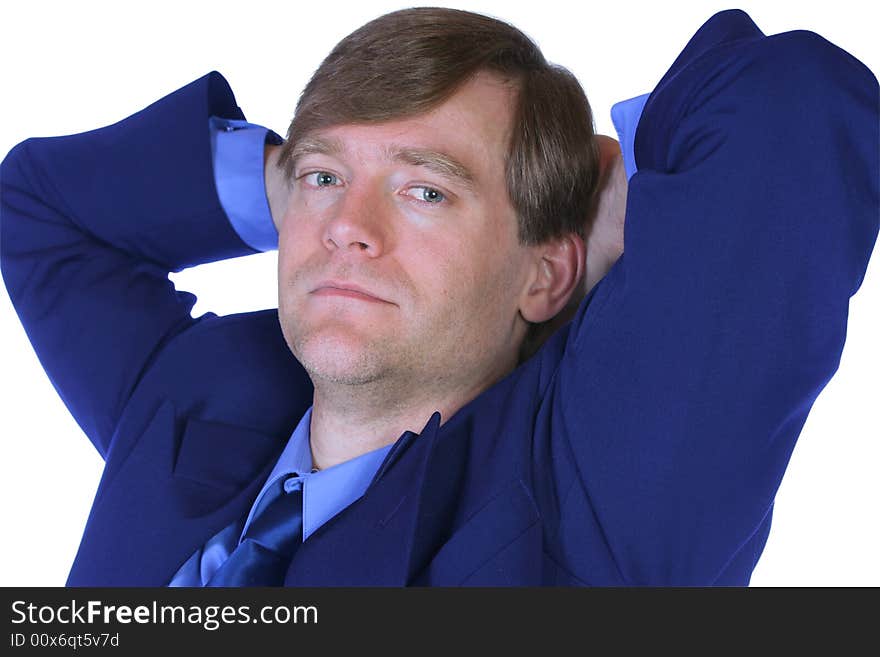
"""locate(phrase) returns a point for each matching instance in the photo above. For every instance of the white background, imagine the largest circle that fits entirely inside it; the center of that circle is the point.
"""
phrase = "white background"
(73, 66)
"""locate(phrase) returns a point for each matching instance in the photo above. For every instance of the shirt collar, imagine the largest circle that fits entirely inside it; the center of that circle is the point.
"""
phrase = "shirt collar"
(297, 455)
(327, 491)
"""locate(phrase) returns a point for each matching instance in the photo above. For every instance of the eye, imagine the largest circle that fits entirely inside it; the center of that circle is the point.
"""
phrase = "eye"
(323, 179)
(427, 194)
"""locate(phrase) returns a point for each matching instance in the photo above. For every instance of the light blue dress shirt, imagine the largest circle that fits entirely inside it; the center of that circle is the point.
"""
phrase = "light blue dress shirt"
(625, 116)
(238, 150)
(325, 493)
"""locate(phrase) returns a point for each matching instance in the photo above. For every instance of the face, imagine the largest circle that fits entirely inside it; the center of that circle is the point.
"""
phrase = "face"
(399, 260)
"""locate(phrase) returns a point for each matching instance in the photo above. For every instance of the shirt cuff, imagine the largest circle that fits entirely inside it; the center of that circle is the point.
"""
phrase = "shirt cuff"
(625, 115)
(237, 150)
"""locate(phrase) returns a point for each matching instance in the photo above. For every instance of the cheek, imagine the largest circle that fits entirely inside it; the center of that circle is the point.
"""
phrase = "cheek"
(461, 286)
(443, 269)
(491, 286)
(470, 271)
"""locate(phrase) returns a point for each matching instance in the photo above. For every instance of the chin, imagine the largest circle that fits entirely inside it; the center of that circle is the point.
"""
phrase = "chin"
(339, 358)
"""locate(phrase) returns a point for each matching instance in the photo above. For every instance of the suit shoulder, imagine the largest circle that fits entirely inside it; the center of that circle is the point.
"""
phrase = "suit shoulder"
(239, 361)
(222, 341)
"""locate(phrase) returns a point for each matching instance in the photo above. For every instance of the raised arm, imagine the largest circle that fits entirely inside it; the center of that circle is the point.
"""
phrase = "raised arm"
(690, 370)
(92, 224)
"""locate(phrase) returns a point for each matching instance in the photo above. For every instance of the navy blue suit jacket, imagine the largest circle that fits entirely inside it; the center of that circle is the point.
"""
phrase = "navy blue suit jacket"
(643, 444)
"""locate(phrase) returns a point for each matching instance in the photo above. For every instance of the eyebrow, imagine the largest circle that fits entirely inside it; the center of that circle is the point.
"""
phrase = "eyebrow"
(440, 163)
(315, 146)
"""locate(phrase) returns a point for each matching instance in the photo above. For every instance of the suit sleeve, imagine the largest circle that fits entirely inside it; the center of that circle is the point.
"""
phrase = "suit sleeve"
(689, 372)
(92, 224)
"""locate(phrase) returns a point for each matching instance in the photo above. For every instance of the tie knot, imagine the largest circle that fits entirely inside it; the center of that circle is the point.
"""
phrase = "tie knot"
(271, 538)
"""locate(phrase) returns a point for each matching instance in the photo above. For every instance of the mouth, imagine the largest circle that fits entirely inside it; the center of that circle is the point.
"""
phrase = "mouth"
(346, 290)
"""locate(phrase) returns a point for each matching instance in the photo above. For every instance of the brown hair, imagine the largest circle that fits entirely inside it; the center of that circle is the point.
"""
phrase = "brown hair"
(408, 62)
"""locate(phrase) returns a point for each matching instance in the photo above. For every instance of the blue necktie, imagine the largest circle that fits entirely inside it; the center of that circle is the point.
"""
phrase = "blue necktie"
(264, 553)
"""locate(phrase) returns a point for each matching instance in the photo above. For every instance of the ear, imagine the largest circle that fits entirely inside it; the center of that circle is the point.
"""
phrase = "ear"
(558, 267)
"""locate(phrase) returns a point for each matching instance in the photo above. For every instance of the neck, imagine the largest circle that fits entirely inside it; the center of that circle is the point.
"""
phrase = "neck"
(349, 420)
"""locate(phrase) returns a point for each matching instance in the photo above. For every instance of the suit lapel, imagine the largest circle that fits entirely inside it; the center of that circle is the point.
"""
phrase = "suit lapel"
(386, 537)
(183, 481)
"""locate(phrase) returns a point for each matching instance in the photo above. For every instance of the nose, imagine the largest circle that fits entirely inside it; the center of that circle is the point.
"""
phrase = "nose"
(358, 222)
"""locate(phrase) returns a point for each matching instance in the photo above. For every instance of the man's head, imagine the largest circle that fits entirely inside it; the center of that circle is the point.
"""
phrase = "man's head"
(440, 164)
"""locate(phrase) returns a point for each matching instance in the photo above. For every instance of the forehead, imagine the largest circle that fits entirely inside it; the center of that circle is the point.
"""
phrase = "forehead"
(472, 126)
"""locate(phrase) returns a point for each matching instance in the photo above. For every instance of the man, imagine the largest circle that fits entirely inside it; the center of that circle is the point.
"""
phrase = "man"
(642, 444)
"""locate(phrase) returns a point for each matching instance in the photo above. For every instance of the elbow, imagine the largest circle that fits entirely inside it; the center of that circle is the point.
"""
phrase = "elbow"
(13, 188)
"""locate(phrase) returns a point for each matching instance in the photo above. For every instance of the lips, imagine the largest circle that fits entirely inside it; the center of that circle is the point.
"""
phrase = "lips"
(347, 290)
